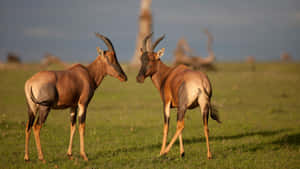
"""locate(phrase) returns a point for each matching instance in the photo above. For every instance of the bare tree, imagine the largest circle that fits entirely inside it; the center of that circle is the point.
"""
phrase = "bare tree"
(250, 60)
(1, 65)
(50, 59)
(285, 56)
(184, 54)
(13, 58)
(145, 28)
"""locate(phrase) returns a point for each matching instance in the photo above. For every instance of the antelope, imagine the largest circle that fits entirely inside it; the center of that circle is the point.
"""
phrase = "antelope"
(179, 87)
(71, 88)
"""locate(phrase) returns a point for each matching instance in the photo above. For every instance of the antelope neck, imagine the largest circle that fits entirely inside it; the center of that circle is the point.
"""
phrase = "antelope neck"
(97, 72)
(159, 77)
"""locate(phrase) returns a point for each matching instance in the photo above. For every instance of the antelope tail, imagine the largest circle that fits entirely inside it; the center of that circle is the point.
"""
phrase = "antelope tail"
(214, 113)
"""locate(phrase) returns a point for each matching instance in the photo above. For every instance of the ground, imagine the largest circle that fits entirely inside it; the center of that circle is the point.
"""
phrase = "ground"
(260, 111)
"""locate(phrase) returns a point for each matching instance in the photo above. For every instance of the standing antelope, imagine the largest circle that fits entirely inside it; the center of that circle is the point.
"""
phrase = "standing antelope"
(72, 88)
(179, 88)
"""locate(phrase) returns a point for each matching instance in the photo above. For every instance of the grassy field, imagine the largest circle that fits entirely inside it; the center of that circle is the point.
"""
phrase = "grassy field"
(260, 112)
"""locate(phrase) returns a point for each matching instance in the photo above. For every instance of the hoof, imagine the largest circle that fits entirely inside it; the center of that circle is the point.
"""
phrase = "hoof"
(84, 157)
(70, 156)
(209, 156)
(26, 160)
(163, 153)
(43, 161)
(182, 155)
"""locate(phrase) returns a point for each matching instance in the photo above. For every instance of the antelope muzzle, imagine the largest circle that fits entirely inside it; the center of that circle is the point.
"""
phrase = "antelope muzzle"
(121, 74)
(141, 76)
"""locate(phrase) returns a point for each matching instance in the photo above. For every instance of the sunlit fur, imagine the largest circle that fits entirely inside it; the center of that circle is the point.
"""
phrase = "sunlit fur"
(71, 88)
(181, 88)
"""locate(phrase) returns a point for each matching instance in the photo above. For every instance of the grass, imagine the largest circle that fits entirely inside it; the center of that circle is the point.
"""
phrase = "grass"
(260, 112)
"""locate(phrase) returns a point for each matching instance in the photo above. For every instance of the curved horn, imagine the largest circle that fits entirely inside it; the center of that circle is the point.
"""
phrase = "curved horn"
(145, 41)
(106, 41)
(157, 41)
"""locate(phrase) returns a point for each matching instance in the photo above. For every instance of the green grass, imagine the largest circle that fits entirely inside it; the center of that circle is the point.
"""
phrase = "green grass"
(260, 112)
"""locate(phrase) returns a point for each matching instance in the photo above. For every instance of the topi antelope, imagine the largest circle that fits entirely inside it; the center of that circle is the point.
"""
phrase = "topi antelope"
(72, 88)
(179, 88)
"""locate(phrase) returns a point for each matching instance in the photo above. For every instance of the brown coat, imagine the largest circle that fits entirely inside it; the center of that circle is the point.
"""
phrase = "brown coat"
(179, 87)
(71, 88)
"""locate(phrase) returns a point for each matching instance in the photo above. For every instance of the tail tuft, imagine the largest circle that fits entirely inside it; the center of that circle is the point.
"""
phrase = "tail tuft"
(214, 113)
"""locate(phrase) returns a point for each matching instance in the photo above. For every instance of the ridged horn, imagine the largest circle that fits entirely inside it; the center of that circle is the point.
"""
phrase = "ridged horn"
(106, 41)
(145, 41)
(157, 41)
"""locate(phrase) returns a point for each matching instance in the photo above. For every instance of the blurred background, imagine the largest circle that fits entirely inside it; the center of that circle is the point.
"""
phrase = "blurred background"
(248, 48)
(264, 29)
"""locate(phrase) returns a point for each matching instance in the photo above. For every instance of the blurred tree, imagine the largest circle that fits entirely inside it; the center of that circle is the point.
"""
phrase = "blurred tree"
(251, 61)
(183, 54)
(13, 58)
(145, 28)
(285, 56)
(50, 59)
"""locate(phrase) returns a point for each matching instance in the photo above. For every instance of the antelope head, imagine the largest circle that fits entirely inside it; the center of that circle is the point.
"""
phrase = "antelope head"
(109, 58)
(149, 59)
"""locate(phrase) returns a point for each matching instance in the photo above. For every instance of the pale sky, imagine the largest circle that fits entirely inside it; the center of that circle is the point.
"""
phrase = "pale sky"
(261, 28)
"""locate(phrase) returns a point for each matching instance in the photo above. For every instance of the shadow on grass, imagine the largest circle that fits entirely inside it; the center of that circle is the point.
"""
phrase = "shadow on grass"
(238, 136)
(290, 140)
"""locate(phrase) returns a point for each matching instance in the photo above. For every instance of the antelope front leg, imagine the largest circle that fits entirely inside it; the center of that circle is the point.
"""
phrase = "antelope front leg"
(73, 115)
(166, 128)
(180, 127)
(164, 141)
(82, 115)
(181, 145)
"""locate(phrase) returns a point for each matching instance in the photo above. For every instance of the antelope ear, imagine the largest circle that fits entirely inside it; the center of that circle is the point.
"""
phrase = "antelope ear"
(160, 53)
(100, 51)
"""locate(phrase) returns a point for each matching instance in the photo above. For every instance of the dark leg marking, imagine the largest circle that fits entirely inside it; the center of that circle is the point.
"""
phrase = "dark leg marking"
(43, 114)
(74, 116)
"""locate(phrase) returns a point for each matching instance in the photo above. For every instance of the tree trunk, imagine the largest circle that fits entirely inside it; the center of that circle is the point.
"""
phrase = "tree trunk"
(145, 28)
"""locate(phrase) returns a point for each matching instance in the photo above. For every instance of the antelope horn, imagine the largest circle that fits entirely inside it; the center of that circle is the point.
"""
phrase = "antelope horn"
(157, 41)
(106, 41)
(145, 41)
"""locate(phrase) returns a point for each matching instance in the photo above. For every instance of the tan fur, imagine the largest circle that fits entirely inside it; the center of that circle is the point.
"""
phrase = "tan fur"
(71, 88)
(81, 133)
(166, 127)
(179, 87)
(72, 132)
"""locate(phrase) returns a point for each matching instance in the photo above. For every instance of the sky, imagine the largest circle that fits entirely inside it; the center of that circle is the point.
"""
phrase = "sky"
(260, 28)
